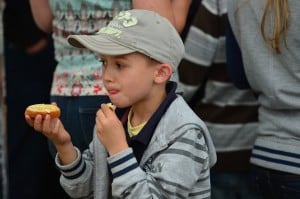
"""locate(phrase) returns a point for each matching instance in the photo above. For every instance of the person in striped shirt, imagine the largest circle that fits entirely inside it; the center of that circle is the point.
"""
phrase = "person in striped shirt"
(230, 114)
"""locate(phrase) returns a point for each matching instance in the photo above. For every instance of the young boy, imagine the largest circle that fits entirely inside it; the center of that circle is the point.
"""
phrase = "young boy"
(152, 145)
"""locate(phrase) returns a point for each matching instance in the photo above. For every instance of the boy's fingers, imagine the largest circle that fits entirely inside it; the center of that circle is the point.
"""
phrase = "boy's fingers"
(37, 123)
(29, 120)
(107, 109)
(47, 123)
(100, 116)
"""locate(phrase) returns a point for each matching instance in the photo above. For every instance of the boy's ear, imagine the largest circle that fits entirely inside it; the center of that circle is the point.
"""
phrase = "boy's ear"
(163, 73)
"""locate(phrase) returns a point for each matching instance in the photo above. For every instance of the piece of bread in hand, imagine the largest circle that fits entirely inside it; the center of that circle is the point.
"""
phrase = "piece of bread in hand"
(42, 109)
(111, 106)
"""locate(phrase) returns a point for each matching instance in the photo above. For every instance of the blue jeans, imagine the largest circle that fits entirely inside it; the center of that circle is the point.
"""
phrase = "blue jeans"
(276, 184)
(78, 117)
(233, 185)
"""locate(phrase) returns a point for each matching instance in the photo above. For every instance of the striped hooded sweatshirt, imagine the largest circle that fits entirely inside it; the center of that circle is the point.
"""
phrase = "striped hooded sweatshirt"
(175, 164)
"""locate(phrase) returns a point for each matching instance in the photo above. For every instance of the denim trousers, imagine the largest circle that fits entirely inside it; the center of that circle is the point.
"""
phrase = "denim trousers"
(78, 115)
(233, 185)
(276, 184)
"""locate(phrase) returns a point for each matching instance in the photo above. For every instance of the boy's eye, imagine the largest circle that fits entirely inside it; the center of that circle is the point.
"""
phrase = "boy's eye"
(119, 65)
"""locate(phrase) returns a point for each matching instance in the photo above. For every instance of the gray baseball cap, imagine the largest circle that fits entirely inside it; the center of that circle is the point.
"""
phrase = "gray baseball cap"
(136, 30)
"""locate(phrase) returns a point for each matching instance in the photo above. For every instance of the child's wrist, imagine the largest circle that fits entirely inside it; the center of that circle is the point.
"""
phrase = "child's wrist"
(117, 149)
(67, 153)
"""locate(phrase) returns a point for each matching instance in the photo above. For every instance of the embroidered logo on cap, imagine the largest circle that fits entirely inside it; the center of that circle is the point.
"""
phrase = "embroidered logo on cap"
(126, 19)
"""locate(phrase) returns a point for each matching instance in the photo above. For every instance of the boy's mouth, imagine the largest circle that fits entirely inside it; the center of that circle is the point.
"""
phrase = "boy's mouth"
(112, 91)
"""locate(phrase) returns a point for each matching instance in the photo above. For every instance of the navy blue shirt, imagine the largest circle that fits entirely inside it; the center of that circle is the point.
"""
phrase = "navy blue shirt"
(235, 64)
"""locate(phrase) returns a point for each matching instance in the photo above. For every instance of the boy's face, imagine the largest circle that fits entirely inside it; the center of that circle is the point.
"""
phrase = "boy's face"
(129, 79)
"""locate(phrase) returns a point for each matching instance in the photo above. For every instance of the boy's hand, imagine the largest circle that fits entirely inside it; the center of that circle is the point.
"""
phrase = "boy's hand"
(52, 128)
(110, 130)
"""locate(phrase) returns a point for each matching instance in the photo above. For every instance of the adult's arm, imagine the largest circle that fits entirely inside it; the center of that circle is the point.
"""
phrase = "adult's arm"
(174, 10)
(42, 14)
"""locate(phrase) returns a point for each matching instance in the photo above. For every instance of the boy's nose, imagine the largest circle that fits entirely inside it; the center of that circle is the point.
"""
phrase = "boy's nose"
(107, 74)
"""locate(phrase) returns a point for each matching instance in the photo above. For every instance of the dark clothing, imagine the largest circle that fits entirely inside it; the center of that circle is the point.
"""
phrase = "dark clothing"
(31, 172)
(79, 113)
(19, 27)
(276, 184)
(234, 60)
(30, 169)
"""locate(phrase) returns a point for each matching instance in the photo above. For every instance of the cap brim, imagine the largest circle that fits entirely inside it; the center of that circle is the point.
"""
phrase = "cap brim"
(99, 45)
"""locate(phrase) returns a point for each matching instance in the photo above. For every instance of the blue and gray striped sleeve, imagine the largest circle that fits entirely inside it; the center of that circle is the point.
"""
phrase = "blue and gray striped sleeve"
(122, 163)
